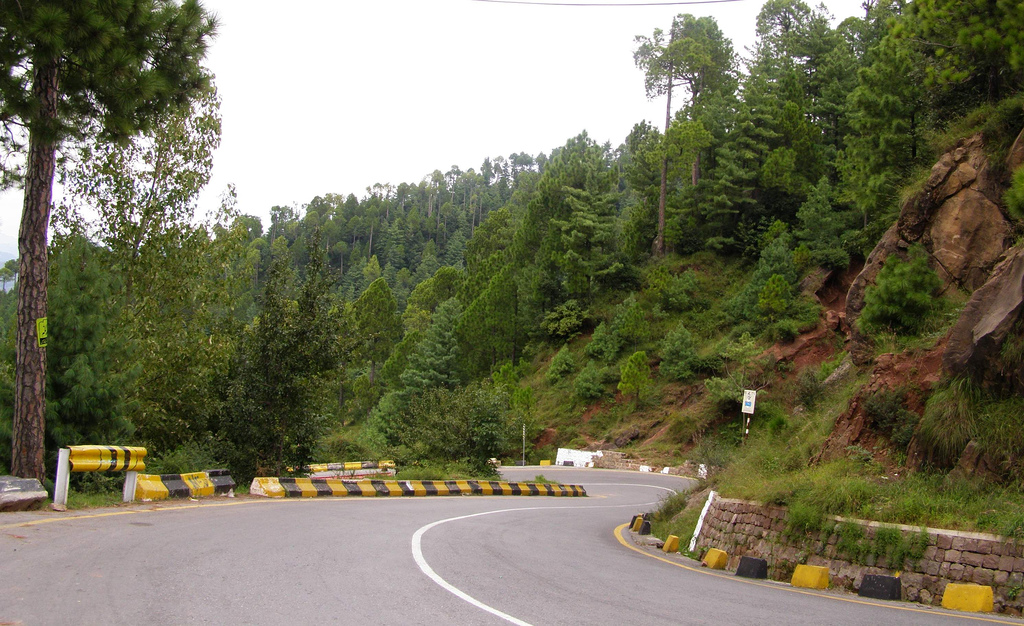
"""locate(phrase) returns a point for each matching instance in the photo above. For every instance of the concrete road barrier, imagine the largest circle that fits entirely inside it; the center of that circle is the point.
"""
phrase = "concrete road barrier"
(881, 587)
(715, 559)
(810, 577)
(751, 567)
(671, 544)
(966, 597)
(317, 487)
(19, 494)
(193, 485)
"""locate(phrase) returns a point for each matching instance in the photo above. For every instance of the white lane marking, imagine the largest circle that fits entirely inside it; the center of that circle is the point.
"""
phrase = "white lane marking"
(421, 562)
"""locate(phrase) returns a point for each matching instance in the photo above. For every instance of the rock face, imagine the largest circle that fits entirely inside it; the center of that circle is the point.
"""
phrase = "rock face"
(991, 313)
(955, 216)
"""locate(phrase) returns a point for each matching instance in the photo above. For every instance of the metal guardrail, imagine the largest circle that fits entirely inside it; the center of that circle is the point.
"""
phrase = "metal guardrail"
(98, 459)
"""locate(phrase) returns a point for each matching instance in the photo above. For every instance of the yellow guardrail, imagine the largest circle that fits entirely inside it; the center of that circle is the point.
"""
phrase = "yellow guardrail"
(98, 459)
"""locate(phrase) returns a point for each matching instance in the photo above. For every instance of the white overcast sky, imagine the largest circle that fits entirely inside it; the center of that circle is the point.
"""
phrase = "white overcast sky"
(333, 96)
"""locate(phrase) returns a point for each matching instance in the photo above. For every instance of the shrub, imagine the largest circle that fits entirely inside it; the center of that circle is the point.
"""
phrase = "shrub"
(886, 411)
(604, 345)
(629, 324)
(1014, 196)
(679, 354)
(636, 376)
(903, 297)
(589, 384)
(561, 365)
(565, 321)
(776, 297)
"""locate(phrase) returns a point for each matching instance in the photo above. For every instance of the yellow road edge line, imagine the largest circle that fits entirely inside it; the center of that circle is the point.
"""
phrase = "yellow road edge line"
(747, 581)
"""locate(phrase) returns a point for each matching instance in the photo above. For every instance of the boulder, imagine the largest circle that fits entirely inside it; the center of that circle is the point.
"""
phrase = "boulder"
(977, 338)
(19, 494)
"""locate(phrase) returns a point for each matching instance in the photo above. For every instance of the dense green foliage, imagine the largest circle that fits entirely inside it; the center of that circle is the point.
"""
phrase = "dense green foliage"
(431, 320)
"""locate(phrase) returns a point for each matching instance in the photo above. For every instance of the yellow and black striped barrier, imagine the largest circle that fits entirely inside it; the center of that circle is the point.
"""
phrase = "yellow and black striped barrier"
(97, 459)
(349, 466)
(192, 485)
(106, 458)
(319, 487)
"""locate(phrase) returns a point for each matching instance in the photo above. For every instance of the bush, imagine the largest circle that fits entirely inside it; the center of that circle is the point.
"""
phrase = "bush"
(186, 458)
(1014, 196)
(589, 384)
(565, 322)
(561, 365)
(604, 345)
(679, 357)
(886, 411)
(903, 297)
(776, 297)
(629, 324)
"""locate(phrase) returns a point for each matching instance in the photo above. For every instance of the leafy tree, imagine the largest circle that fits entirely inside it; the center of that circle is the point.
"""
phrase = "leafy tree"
(377, 325)
(977, 41)
(72, 69)
(468, 424)
(903, 294)
(696, 56)
(562, 364)
(272, 418)
(679, 358)
(636, 376)
(740, 366)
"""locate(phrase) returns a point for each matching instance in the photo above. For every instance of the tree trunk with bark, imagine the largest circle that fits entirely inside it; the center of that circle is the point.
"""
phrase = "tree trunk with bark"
(30, 361)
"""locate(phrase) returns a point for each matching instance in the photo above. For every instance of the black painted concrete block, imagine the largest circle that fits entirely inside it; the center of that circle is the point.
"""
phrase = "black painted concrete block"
(751, 567)
(881, 587)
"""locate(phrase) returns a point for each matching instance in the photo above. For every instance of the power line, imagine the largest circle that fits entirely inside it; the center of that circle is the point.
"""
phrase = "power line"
(605, 4)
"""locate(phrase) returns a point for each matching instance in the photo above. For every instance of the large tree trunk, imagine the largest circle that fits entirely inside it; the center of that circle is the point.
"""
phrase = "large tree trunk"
(659, 239)
(30, 362)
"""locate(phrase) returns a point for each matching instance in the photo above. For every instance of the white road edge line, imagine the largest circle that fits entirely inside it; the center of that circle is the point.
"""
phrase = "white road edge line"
(421, 562)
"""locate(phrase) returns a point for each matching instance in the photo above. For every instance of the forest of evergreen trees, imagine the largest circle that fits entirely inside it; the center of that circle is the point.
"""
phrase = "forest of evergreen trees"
(399, 321)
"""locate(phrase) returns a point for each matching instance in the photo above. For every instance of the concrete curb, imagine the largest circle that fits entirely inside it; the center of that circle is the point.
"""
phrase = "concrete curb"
(321, 487)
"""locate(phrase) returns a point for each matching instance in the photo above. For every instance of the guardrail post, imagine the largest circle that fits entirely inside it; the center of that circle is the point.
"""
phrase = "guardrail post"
(130, 480)
(60, 485)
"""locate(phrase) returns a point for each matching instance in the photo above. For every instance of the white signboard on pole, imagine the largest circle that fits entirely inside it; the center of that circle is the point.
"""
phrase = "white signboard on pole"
(749, 397)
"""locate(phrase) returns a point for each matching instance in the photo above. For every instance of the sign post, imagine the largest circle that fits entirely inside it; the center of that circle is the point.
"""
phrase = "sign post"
(749, 398)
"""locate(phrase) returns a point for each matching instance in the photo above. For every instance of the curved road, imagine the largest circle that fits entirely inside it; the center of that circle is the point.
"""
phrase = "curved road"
(446, 560)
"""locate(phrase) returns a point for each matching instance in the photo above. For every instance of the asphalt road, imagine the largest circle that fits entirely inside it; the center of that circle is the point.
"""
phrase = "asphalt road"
(445, 560)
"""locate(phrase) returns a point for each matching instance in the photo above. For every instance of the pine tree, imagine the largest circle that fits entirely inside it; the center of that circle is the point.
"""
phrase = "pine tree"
(75, 68)
(636, 376)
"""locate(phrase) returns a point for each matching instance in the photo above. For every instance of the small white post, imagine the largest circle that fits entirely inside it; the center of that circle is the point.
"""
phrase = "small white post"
(700, 521)
(60, 485)
(130, 480)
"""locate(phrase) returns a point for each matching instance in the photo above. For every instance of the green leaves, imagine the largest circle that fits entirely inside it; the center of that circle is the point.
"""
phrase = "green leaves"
(903, 294)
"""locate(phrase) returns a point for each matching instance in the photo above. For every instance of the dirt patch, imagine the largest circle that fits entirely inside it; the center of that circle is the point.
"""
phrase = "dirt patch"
(547, 438)
(916, 373)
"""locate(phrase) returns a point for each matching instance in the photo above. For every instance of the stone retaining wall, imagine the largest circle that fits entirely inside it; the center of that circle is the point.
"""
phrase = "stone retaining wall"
(743, 528)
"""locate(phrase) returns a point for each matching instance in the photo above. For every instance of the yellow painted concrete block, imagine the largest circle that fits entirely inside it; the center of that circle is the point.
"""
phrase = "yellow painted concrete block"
(198, 484)
(810, 576)
(637, 523)
(545, 463)
(963, 597)
(716, 559)
(150, 487)
(671, 544)
(269, 487)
